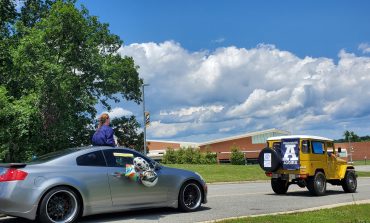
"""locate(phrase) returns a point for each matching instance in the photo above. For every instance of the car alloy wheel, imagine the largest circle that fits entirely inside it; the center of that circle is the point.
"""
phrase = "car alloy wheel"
(60, 204)
(190, 197)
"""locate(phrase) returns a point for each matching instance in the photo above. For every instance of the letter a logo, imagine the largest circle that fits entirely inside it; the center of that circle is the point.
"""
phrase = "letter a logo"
(290, 153)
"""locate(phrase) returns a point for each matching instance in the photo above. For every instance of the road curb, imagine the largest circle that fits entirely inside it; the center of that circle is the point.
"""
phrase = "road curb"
(239, 182)
(252, 181)
(292, 212)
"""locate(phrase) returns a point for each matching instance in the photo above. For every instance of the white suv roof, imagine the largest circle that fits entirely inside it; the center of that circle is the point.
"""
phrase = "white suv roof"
(299, 136)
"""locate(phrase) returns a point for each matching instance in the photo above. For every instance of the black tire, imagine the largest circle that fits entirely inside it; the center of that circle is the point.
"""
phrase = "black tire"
(190, 197)
(60, 204)
(279, 186)
(275, 160)
(317, 184)
(349, 183)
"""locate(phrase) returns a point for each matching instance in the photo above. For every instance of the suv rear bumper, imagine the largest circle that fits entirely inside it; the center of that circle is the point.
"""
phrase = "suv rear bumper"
(289, 176)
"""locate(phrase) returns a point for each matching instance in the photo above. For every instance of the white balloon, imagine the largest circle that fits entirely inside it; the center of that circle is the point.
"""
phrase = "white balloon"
(149, 178)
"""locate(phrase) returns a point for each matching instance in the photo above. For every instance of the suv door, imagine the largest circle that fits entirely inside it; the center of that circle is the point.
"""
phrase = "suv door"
(319, 156)
(126, 192)
(332, 161)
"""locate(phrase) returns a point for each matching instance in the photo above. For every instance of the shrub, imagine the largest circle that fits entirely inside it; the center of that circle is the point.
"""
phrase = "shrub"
(188, 156)
(210, 158)
(180, 156)
(170, 156)
(237, 157)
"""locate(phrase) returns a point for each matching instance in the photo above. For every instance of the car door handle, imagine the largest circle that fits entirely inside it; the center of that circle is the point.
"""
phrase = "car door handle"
(116, 174)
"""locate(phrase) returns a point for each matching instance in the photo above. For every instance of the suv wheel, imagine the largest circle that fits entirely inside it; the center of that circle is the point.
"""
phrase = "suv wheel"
(279, 186)
(349, 183)
(317, 184)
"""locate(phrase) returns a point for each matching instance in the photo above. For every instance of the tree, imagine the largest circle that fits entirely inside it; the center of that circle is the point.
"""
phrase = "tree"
(60, 62)
(351, 136)
(126, 130)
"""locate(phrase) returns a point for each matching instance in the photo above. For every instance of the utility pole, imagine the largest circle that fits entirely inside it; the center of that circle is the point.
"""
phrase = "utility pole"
(349, 145)
(144, 122)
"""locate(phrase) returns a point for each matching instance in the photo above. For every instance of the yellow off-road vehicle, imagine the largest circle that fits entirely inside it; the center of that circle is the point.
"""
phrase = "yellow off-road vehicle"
(308, 161)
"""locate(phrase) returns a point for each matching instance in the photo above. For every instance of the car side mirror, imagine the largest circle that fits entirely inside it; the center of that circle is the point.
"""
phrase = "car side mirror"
(339, 150)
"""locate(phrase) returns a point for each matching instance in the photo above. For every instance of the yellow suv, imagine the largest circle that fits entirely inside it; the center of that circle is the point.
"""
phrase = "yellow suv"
(308, 161)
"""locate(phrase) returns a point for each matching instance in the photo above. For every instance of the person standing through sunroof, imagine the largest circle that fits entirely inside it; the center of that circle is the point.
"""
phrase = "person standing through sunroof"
(104, 133)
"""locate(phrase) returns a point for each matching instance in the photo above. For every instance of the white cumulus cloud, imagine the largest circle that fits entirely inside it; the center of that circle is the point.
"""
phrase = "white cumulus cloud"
(118, 112)
(235, 90)
(191, 110)
(364, 47)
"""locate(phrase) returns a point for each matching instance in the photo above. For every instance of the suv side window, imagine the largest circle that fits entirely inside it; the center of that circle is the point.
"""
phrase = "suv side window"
(306, 146)
(318, 147)
(330, 148)
(91, 159)
(276, 146)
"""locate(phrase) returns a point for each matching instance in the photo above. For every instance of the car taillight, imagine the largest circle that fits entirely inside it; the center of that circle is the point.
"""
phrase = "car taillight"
(268, 174)
(13, 174)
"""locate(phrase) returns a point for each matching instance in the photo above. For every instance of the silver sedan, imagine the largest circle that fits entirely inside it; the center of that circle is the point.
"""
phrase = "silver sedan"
(67, 184)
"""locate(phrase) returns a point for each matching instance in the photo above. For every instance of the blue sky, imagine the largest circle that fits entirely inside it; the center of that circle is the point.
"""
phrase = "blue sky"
(221, 68)
(307, 28)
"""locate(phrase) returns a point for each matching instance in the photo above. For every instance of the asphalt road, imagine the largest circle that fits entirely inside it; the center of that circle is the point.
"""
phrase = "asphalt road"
(232, 200)
(365, 168)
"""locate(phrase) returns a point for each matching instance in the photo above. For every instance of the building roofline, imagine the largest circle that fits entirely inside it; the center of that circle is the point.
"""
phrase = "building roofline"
(243, 136)
(299, 136)
(168, 141)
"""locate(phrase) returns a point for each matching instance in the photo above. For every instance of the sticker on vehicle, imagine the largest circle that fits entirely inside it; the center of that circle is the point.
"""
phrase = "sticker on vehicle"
(267, 160)
(290, 154)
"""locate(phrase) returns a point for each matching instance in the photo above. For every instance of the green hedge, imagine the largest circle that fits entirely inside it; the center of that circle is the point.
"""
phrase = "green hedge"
(188, 156)
(237, 157)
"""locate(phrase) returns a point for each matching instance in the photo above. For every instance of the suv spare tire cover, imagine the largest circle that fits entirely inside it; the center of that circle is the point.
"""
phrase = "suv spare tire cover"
(269, 159)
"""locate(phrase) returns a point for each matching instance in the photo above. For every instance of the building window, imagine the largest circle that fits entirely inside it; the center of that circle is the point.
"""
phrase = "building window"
(262, 138)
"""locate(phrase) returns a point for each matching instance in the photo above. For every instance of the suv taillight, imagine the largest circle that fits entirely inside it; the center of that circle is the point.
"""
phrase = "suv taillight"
(13, 174)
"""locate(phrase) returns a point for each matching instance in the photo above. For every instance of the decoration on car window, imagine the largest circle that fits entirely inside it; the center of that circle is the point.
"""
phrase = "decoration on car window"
(140, 171)
(290, 154)
(124, 154)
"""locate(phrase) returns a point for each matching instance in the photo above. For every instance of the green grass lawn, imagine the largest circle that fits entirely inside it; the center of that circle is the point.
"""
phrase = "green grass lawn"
(232, 173)
(363, 174)
(361, 162)
(225, 173)
(344, 214)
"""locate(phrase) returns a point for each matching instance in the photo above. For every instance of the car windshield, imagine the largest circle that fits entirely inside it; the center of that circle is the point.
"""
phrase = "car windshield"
(51, 156)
